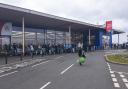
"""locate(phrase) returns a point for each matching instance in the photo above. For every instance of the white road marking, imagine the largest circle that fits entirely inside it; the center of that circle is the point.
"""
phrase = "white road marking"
(111, 72)
(113, 75)
(122, 76)
(39, 64)
(107, 63)
(120, 72)
(116, 85)
(125, 80)
(58, 57)
(114, 79)
(110, 69)
(45, 85)
(66, 69)
(8, 74)
(126, 84)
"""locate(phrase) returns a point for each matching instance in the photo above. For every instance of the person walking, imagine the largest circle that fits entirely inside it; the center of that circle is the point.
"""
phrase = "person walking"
(82, 56)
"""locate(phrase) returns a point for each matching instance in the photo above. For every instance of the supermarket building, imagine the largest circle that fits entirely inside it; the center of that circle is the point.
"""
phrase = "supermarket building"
(24, 26)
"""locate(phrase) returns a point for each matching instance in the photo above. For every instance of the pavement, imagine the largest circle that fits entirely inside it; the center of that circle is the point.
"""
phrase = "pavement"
(64, 72)
(16, 59)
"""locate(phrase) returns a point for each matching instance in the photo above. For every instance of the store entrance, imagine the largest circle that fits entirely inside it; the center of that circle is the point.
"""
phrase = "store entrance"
(77, 37)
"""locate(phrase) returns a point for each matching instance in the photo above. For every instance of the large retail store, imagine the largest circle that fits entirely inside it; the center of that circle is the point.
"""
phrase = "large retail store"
(24, 26)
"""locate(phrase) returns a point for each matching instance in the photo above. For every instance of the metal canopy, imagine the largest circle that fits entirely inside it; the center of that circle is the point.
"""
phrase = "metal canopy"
(36, 19)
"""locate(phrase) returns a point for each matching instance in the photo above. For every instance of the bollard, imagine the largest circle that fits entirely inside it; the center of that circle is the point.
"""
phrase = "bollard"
(6, 58)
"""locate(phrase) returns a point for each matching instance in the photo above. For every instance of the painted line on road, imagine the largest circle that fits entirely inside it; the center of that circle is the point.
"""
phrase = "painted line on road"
(45, 85)
(39, 64)
(8, 74)
(113, 75)
(122, 76)
(126, 84)
(111, 72)
(120, 72)
(116, 85)
(114, 79)
(58, 57)
(110, 69)
(66, 69)
(108, 64)
(125, 80)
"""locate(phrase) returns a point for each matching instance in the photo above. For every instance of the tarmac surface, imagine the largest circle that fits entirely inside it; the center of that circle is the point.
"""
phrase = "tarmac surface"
(64, 72)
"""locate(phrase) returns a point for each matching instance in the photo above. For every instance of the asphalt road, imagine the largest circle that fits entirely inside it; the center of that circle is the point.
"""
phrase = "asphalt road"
(64, 72)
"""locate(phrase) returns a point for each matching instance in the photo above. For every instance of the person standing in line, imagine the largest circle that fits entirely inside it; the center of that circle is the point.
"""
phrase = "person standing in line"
(32, 50)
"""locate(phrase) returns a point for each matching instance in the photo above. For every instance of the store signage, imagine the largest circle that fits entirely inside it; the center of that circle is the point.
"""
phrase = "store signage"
(5, 31)
(108, 26)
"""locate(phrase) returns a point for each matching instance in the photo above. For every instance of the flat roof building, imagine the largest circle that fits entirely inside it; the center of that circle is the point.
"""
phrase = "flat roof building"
(19, 25)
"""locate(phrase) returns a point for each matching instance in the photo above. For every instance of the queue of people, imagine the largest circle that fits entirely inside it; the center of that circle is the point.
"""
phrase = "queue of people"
(45, 49)
(51, 49)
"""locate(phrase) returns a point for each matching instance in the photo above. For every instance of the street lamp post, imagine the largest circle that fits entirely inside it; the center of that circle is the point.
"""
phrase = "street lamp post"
(23, 37)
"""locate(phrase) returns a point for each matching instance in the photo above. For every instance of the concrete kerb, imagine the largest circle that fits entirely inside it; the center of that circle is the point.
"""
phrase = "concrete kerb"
(106, 58)
(14, 63)
(20, 64)
(9, 64)
(28, 60)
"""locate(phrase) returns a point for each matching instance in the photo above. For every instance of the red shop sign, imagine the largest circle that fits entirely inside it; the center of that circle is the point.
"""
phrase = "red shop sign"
(108, 26)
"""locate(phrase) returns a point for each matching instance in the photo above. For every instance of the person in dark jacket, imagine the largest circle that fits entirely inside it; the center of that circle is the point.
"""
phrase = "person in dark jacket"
(81, 52)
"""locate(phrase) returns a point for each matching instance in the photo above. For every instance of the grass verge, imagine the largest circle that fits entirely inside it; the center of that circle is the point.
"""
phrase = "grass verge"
(118, 58)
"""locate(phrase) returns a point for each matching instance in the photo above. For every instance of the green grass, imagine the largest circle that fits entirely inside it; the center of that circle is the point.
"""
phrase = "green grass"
(120, 58)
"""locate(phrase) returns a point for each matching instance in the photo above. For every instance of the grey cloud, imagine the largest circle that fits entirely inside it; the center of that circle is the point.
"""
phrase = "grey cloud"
(92, 11)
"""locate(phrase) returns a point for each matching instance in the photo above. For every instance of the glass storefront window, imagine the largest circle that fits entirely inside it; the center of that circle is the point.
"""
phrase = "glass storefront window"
(33, 36)
(16, 37)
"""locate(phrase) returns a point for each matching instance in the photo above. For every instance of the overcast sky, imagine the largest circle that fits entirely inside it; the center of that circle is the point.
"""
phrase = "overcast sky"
(91, 11)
